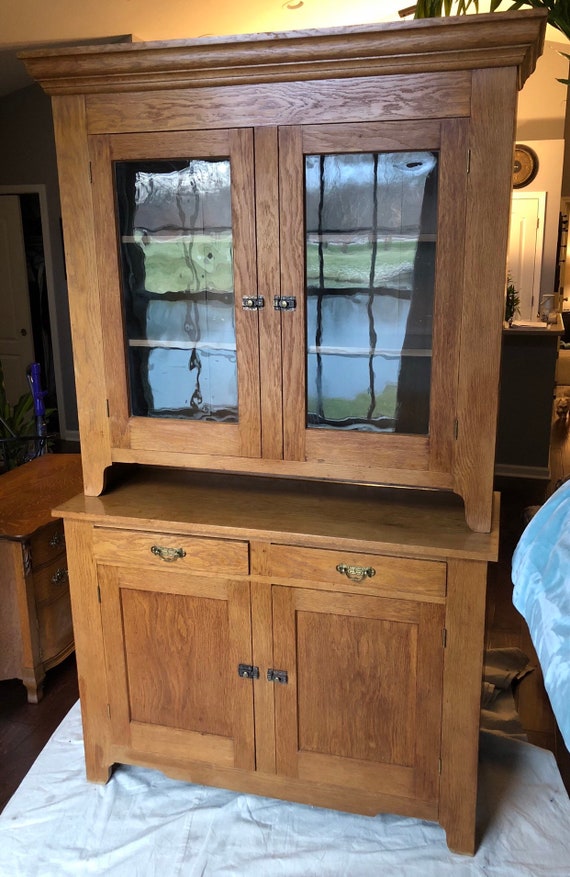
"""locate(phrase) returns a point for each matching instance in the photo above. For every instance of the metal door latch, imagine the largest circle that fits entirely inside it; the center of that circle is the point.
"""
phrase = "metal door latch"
(248, 671)
(284, 302)
(277, 676)
(252, 303)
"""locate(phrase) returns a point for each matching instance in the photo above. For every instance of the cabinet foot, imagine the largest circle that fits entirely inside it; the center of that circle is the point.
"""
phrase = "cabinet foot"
(98, 773)
(461, 840)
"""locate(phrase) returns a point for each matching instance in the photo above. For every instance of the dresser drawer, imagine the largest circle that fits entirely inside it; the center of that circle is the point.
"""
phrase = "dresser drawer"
(47, 543)
(171, 551)
(377, 572)
(51, 581)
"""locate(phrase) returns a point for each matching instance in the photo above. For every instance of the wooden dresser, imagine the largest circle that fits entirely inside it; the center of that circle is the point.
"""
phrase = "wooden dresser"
(35, 617)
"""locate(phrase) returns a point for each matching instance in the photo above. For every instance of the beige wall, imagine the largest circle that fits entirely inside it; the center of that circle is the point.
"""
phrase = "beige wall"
(541, 125)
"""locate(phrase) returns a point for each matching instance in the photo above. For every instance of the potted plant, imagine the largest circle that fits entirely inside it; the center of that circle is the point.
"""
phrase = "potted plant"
(512, 301)
(20, 439)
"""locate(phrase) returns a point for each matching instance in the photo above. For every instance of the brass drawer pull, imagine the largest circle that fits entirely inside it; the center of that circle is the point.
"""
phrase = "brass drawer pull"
(57, 539)
(356, 573)
(60, 576)
(168, 554)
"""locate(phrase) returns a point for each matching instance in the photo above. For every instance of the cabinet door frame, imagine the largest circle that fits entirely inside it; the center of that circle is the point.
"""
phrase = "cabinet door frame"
(130, 736)
(433, 453)
(157, 434)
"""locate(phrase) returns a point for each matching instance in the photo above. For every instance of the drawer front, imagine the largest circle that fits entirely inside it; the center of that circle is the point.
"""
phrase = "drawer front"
(171, 551)
(359, 571)
(56, 629)
(51, 581)
(47, 543)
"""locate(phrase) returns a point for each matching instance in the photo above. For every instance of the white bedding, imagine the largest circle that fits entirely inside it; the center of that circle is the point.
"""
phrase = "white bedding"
(541, 577)
(142, 824)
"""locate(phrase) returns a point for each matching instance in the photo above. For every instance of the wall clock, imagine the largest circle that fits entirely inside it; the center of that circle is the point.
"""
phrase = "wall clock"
(525, 166)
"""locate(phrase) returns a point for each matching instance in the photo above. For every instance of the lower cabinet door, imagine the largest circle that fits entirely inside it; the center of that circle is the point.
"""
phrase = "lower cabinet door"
(173, 644)
(361, 708)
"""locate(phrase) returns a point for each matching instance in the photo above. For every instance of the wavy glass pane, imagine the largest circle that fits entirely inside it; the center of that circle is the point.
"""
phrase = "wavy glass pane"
(370, 242)
(178, 291)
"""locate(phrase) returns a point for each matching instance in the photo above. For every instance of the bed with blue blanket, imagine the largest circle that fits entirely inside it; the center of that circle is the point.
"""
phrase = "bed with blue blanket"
(541, 577)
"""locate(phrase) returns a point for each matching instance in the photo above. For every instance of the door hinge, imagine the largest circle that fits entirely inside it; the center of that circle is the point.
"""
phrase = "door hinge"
(468, 161)
(108, 710)
(108, 409)
(439, 766)
(444, 637)
(455, 428)
(277, 676)
(248, 671)
(98, 593)
(90, 173)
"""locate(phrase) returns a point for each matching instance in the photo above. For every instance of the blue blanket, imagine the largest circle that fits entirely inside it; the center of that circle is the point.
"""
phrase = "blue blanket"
(541, 576)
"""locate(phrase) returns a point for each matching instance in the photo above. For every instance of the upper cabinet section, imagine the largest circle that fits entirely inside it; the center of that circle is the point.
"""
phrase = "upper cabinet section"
(279, 253)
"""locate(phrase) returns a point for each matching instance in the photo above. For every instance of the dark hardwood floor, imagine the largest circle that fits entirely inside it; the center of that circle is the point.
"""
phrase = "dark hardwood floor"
(25, 728)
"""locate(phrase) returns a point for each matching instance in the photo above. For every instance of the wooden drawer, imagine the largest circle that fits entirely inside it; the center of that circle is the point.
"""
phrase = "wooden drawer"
(51, 581)
(422, 578)
(171, 551)
(46, 543)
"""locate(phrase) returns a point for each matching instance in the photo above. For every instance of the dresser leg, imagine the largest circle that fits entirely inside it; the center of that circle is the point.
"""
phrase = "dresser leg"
(34, 682)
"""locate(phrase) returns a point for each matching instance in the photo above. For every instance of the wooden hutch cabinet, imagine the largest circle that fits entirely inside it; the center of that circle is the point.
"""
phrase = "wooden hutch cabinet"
(286, 262)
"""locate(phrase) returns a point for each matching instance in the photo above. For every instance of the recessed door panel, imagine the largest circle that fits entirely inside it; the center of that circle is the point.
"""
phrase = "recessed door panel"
(355, 708)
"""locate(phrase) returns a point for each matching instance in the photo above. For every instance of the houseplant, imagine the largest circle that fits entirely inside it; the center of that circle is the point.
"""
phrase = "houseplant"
(19, 440)
(558, 10)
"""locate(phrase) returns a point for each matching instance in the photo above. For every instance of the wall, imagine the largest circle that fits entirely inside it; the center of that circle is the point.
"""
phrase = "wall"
(27, 157)
(541, 125)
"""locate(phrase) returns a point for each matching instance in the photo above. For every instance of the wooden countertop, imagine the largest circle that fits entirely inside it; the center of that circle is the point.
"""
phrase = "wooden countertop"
(29, 493)
(535, 327)
(361, 517)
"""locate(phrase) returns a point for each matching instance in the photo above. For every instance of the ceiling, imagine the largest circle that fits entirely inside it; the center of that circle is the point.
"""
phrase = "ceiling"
(35, 23)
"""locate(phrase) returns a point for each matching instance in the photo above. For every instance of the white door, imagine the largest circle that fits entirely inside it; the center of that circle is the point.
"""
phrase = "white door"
(525, 249)
(16, 339)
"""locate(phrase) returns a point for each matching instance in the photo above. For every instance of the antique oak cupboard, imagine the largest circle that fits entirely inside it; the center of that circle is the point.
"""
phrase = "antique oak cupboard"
(286, 261)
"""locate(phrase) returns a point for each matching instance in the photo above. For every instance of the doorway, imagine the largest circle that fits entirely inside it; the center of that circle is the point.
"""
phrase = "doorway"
(526, 241)
(28, 330)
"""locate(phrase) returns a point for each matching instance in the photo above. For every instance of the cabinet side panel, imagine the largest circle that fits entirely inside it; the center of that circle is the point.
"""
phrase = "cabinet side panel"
(89, 648)
(487, 223)
(11, 635)
(84, 305)
(448, 301)
(462, 678)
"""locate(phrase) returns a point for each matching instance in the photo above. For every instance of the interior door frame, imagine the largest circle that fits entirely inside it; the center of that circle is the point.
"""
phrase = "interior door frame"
(40, 190)
(540, 197)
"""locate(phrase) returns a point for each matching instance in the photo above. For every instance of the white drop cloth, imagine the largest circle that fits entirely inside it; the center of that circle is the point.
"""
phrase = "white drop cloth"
(142, 824)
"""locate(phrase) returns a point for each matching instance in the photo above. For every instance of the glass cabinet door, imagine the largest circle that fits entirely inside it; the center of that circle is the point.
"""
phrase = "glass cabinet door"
(176, 242)
(375, 200)
(370, 246)
(184, 239)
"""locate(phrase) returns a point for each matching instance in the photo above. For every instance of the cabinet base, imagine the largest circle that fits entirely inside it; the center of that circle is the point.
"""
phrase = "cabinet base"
(460, 839)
